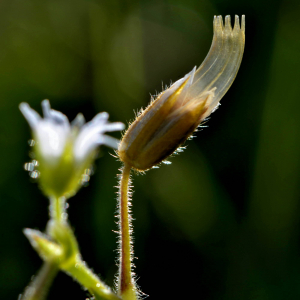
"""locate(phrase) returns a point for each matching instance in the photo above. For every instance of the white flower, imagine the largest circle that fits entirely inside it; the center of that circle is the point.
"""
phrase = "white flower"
(53, 132)
(64, 151)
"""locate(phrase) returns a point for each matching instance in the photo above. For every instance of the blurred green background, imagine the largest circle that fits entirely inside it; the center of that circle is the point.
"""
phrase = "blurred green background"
(220, 222)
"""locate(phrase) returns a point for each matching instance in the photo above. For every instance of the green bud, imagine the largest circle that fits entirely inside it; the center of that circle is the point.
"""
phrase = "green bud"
(45, 247)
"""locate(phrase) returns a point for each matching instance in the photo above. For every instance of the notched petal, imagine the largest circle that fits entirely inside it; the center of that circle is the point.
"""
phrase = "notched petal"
(30, 114)
(54, 115)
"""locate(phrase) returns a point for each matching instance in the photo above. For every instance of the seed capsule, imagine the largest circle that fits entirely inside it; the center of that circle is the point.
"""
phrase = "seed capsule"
(170, 119)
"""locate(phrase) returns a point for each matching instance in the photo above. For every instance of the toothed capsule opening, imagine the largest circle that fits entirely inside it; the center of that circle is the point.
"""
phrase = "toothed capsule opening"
(222, 62)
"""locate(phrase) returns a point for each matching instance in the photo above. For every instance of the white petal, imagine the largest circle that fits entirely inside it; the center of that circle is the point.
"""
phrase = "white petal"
(50, 133)
(85, 143)
(101, 117)
(51, 139)
(30, 115)
(109, 141)
(117, 126)
(54, 131)
(79, 121)
(91, 136)
(46, 108)
(54, 115)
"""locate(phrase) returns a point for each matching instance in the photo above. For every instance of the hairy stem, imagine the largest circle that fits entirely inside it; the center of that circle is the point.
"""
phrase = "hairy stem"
(38, 288)
(126, 287)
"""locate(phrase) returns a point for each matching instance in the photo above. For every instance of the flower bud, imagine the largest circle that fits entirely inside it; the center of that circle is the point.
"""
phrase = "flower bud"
(170, 119)
(46, 248)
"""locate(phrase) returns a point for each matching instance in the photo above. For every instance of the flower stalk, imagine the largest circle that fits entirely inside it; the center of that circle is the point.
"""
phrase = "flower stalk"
(126, 283)
(57, 209)
(49, 251)
(82, 274)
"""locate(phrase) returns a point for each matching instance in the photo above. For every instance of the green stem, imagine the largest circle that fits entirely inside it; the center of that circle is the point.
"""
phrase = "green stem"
(58, 209)
(127, 287)
(72, 264)
(38, 288)
(68, 261)
(80, 272)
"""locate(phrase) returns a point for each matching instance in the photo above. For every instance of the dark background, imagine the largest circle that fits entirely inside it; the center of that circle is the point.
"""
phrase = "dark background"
(222, 221)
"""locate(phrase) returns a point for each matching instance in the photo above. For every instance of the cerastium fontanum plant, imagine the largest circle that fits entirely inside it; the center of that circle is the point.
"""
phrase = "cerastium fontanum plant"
(64, 153)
